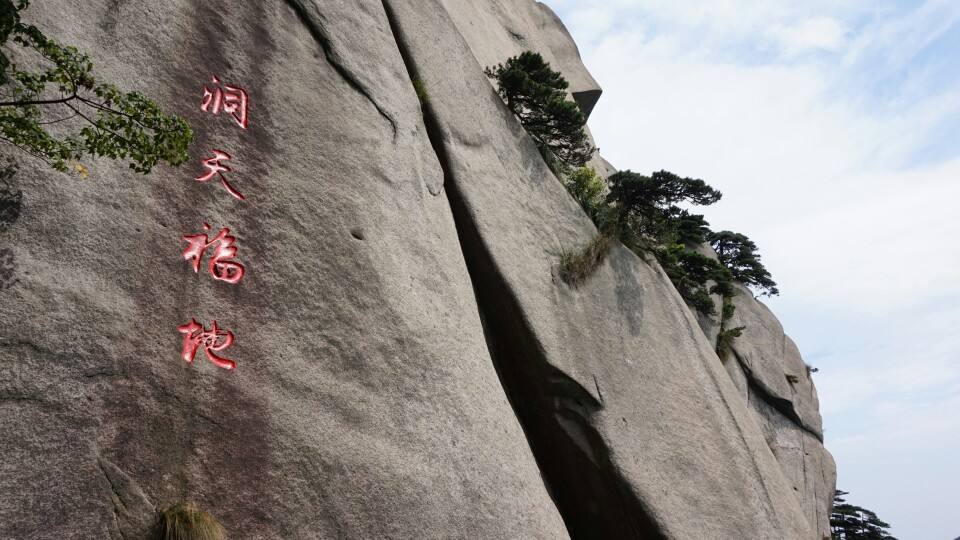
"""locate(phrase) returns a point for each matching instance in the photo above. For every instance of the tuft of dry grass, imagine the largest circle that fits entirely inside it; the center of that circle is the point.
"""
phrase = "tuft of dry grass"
(184, 521)
(575, 268)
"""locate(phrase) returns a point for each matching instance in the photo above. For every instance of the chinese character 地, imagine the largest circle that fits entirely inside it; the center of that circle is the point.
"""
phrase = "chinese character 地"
(231, 99)
(212, 341)
(215, 168)
(220, 265)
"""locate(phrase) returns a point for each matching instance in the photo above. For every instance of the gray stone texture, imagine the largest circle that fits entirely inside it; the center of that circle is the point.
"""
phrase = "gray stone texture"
(769, 373)
(635, 385)
(498, 29)
(409, 366)
(365, 404)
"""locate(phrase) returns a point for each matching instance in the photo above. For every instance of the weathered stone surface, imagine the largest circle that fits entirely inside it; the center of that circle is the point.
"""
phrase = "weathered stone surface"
(398, 317)
(637, 428)
(498, 29)
(807, 464)
(365, 404)
(768, 356)
(769, 373)
(773, 360)
(789, 413)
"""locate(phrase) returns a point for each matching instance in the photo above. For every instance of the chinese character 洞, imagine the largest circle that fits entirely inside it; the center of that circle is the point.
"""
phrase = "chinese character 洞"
(220, 266)
(212, 341)
(232, 99)
(215, 168)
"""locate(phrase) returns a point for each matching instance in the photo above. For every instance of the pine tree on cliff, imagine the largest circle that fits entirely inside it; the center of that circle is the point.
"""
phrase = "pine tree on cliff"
(90, 117)
(739, 254)
(537, 95)
(646, 206)
(849, 522)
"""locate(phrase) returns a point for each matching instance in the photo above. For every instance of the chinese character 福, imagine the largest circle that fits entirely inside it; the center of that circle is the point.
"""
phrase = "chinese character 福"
(220, 267)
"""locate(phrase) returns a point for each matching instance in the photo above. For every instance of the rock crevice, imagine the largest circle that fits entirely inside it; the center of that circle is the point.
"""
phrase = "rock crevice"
(553, 409)
(311, 20)
(407, 368)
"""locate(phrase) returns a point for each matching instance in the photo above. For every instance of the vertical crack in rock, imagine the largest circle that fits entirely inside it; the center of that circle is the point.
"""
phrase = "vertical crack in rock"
(132, 510)
(555, 412)
(319, 34)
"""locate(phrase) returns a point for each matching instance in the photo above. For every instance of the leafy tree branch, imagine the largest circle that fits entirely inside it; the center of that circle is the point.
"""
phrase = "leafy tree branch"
(106, 121)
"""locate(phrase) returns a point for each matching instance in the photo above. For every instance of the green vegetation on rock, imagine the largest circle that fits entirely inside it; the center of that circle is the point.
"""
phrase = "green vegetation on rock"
(589, 189)
(647, 205)
(642, 212)
(537, 95)
(739, 254)
(576, 267)
(59, 112)
(849, 522)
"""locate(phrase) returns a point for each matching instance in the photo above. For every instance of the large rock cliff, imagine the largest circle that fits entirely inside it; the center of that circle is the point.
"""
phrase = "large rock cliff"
(408, 365)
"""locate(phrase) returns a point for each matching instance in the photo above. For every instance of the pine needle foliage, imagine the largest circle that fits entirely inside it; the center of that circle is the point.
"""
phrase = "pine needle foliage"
(739, 254)
(537, 95)
(648, 204)
(725, 336)
(850, 522)
(696, 277)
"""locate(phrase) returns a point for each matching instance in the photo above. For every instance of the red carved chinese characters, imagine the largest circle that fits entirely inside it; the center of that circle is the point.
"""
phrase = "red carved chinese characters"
(220, 266)
(232, 99)
(215, 168)
(212, 341)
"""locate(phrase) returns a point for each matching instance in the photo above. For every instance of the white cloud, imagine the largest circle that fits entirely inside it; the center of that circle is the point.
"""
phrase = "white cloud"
(896, 40)
(817, 33)
(803, 172)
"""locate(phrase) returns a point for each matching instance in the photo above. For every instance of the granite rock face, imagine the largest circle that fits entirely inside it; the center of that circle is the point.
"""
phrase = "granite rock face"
(498, 29)
(768, 371)
(365, 403)
(408, 366)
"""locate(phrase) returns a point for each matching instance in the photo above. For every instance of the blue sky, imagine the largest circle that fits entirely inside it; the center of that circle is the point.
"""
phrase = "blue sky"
(833, 129)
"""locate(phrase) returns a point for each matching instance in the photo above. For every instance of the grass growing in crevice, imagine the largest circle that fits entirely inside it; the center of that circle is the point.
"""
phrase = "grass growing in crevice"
(726, 335)
(576, 267)
(184, 521)
(421, 89)
(725, 341)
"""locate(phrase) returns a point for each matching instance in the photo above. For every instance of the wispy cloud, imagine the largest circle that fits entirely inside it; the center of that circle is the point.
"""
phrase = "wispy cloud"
(832, 129)
(813, 34)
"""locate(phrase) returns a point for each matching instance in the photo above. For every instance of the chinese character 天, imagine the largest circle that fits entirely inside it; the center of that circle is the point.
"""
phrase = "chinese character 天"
(221, 266)
(215, 168)
(212, 341)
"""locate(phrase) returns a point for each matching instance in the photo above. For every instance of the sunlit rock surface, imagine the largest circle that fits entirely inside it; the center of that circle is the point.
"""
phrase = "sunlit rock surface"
(408, 365)
(771, 376)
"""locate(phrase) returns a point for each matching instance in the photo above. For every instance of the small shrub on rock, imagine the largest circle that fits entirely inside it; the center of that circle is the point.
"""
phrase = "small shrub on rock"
(184, 521)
